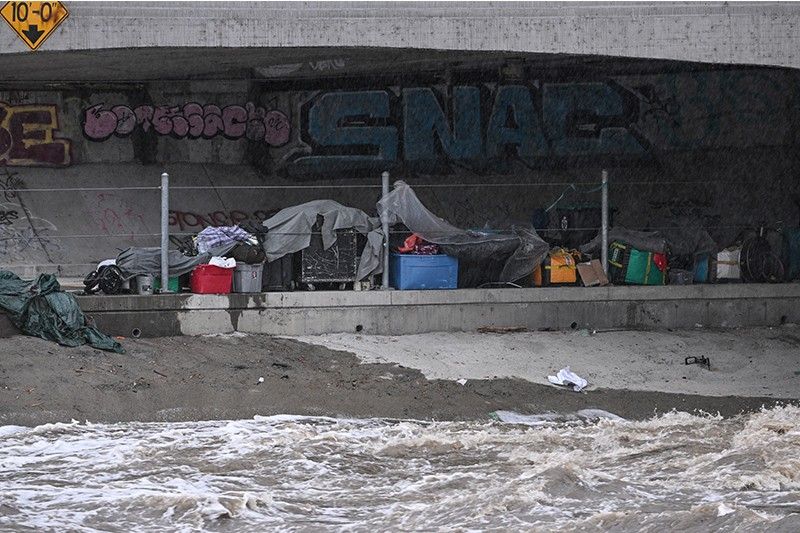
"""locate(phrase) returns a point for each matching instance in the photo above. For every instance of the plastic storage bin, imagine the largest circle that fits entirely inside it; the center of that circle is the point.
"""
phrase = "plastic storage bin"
(409, 272)
(210, 279)
(247, 278)
(629, 266)
(727, 265)
(792, 237)
(701, 262)
(279, 274)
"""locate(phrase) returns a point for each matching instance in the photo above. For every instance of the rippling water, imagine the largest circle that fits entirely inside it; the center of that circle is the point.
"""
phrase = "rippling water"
(674, 472)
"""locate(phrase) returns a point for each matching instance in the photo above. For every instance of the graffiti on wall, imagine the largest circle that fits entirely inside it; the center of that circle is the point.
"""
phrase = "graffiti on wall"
(10, 183)
(485, 126)
(416, 126)
(27, 136)
(21, 232)
(187, 220)
(8, 217)
(192, 121)
(313, 128)
(114, 216)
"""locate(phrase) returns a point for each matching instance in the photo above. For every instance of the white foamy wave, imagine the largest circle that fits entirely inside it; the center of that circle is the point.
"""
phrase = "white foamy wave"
(589, 470)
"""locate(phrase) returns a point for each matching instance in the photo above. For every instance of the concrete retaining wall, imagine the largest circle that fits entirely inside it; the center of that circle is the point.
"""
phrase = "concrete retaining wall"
(408, 312)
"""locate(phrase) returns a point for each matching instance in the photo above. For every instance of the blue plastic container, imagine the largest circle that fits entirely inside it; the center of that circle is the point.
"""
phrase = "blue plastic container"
(793, 253)
(412, 272)
(701, 268)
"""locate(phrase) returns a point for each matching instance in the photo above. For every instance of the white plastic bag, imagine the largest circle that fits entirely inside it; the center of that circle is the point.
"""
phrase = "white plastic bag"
(222, 262)
(567, 377)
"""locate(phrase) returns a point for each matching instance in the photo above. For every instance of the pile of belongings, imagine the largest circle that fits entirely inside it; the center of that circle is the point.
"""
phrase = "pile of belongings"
(214, 237)
(487, 257)
(484, 256)
(41, 309)
(416, 245)
(245, 247)
(242, 245)
(634, 257)
(112, 275)
(290, 229)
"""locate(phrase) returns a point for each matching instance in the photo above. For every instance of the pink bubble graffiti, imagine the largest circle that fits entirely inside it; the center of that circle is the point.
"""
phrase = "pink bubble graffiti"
(192, 120)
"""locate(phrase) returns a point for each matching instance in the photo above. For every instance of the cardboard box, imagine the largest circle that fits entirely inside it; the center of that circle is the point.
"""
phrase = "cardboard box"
(592, 274)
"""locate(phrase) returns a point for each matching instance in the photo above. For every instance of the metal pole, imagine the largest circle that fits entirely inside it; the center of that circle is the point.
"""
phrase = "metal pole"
(385, 225)
(604, 230)
(164, 232)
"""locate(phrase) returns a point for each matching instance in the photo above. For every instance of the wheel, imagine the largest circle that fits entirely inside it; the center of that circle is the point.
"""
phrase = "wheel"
(111, 280)
(90, 282)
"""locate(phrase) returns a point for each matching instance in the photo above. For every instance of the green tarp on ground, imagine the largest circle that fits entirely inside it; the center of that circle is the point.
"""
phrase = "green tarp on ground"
(41, 309)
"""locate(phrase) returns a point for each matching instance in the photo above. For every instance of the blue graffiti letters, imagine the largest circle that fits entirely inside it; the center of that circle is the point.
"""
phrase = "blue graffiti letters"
(424, 119)
(381, 129)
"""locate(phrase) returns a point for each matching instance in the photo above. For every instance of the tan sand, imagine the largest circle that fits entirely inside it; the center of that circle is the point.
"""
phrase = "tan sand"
(744, 362)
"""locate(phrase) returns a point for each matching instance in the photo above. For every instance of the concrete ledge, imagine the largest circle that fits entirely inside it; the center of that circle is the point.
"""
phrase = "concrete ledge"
(317, 299)
(408, 312)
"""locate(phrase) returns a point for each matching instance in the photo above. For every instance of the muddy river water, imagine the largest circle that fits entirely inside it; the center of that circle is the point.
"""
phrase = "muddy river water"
(590, 471)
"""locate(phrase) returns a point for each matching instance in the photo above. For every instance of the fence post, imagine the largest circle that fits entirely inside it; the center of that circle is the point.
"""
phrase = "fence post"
(385, 226)
(164, 232)
(604, 229)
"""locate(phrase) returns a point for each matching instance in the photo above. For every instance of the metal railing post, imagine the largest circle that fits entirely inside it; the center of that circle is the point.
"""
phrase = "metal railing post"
(385, 226)
(164, 232)
(604, 229)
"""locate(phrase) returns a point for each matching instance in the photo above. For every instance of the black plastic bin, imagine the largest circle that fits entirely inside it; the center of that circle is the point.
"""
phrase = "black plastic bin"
(279, 274)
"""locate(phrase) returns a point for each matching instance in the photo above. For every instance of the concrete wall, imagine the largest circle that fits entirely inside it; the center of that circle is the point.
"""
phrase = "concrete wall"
(754, 33)
(718, 143)
(409, 312)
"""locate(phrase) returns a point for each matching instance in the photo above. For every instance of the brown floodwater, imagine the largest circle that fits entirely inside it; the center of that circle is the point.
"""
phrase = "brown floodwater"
(588, 471)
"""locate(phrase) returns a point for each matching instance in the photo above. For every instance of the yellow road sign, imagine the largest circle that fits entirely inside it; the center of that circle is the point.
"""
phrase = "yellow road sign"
(34, 22)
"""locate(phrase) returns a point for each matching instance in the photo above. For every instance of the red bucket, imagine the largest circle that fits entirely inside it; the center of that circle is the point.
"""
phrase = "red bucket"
(210, 279)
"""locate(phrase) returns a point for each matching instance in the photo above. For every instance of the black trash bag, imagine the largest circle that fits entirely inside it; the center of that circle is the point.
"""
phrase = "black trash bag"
(41, 309)
(108, 279)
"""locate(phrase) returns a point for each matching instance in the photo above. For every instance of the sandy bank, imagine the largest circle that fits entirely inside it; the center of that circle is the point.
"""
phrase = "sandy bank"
(194, 378)
(744, 362)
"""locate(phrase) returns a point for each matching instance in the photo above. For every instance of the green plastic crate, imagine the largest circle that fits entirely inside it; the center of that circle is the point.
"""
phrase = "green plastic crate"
(642, 270)
(173, 285)
(627, 265)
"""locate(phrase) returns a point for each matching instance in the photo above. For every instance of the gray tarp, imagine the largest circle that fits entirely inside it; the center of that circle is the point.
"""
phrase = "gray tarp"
(521, 248)
(136, 261)
(648, 241)
(681, 236)
(685, 234)
(290, 229)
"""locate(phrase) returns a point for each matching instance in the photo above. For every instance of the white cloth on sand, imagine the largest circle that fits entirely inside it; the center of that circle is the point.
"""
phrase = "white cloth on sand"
(567, 377)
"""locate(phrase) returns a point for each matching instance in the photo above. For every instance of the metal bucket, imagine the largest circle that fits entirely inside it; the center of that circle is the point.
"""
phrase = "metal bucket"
(142, 284)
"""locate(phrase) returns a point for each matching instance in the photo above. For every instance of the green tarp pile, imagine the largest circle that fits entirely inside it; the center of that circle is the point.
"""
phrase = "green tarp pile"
(41, 309)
